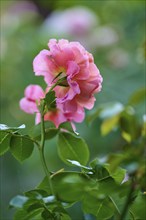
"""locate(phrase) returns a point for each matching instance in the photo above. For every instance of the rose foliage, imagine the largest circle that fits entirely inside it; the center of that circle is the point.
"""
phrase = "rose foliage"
(110, 188)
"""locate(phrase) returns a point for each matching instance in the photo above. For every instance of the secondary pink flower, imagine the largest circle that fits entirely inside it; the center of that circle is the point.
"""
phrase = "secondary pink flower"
(33, 94)
(82, 79)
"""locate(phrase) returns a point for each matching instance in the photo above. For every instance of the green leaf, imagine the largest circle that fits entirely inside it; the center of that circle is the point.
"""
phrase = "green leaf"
(50, 100)
(18, 201)
(36, 193)
(104, 170)
(20, 214)
(46, 215)
(4, 142)
(115, 160)
(109, 124)
(138, 207)
(50, 131)
(138, 97)
(102, 209)
(34, 215)
(117, 174)
(21, 147)
(61, 213)
(71, 147)
(5, 127)
(75, 183)
(129, 125)
(99, 171)
(67, 126)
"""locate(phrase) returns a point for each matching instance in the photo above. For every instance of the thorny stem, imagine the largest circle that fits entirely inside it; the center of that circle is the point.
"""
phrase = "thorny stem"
(42, 143)
(41, 150)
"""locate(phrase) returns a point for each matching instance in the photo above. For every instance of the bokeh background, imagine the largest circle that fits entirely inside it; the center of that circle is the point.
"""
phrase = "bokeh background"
(114, 31)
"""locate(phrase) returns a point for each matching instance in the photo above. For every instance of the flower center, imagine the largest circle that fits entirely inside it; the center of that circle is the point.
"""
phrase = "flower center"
(61, 79)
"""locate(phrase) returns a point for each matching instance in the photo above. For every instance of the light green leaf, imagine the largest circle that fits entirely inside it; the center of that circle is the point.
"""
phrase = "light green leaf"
(20, 214)
(109, 124)
(4, 142)
(75, 183)
(138, 206)
(21, 147)
(67, 126)
(129, 124)
(33, 215)
(5, 127)
(50, 131)
(18, 201)
(138, 97)
(101, 208)
(61, 213)
(71, 147)
(117, 174)
(36, 193)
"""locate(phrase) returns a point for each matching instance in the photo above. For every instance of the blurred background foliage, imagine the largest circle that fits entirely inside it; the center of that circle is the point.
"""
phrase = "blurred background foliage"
(112, 30)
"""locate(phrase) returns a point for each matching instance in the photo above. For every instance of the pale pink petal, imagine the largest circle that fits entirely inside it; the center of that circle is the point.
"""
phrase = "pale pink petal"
(34, 92)
(81, 56)
(79, 115)
(69, 106)
(38, 118)
(60, 52)
(71, 93)
(72, 69)
(88, 87)
(52, 44)
(94, 72)
(95, 76)
(57, 117)
(83, 74)
(86, 102)
(73, 111)
(27, 106)
(62, 57)
(61, 91)
(63, 43)
(44, 65)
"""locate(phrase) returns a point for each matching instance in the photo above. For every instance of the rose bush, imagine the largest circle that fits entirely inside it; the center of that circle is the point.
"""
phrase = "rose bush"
(109, 187)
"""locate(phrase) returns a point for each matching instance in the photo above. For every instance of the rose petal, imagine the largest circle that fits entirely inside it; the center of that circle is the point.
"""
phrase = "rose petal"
(27, 106)
(34, 92)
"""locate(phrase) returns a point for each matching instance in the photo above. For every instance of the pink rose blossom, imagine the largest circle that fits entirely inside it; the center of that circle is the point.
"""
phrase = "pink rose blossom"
(82, 78)
(28, 103)
(69, 70)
